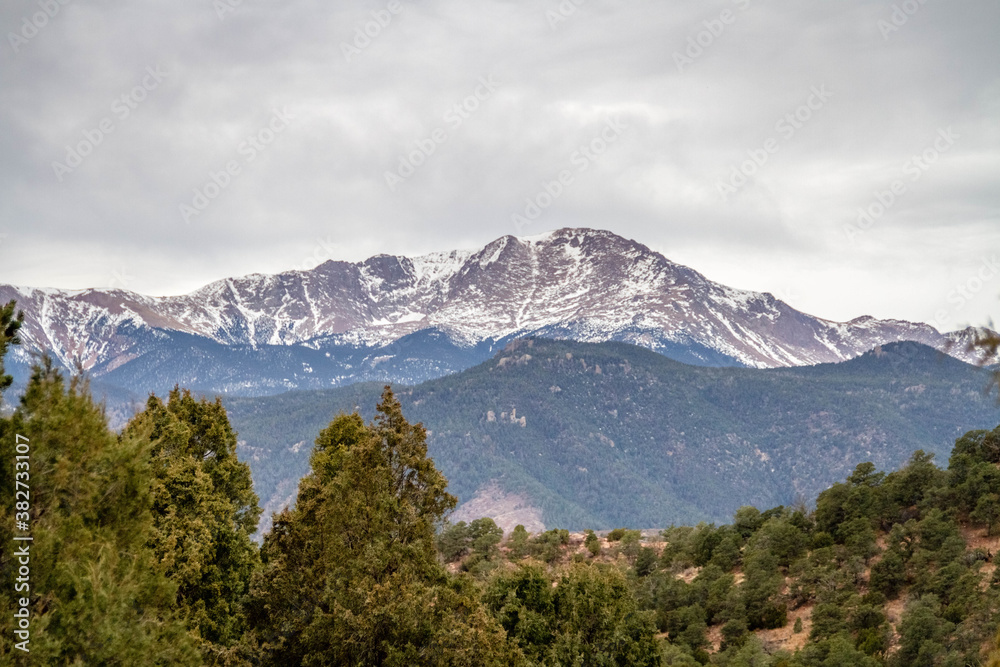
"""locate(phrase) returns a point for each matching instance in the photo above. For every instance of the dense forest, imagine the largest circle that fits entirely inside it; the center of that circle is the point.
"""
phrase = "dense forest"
(140, 554)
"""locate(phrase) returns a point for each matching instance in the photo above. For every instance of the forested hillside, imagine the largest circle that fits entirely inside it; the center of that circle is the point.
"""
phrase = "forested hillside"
(889, 569)
(600, 435)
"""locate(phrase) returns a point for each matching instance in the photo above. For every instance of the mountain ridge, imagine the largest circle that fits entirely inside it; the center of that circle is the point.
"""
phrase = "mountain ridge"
(588, 285)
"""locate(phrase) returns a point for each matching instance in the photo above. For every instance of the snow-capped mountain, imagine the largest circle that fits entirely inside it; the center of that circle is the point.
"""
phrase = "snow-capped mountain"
(407, 319)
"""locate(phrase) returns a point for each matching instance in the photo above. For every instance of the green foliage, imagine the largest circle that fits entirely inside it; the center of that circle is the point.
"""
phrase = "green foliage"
(486, 535)
(351, 575)
(888, 576)
(598, 622)
(592, 543)
(747, 521)
(983, 446)
(479, 540)
(484, 538)
(734, 633)
(454, 542)
(677, 552)
(923, 633)
(870, 628)
(204, 511)
(761, 588)
(631, 544)
(749, 652)
(727, 553)
(9, 325)
(645, 561)
(522, 602)
(616, 535)
(547, 546)
(588, 617)
(987, 512)
(782, 538)
(975, 477)
(98, 594)
(837, 651)
(704, 540)
(914, 483)
(518, 542)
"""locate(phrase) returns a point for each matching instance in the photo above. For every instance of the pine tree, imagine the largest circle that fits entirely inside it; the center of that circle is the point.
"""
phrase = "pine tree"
(205, 512)
(351, 575)
(8, 336)
(592, 543)
(587, 617)
(97, 595)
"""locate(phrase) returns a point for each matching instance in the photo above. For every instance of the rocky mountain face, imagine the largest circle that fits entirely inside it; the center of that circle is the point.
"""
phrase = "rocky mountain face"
(409, 319)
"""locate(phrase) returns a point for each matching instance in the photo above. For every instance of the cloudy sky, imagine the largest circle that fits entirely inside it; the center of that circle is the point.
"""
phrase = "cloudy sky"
(160, 145)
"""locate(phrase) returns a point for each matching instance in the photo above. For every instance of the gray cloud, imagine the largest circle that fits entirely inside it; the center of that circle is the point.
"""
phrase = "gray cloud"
(318, 187)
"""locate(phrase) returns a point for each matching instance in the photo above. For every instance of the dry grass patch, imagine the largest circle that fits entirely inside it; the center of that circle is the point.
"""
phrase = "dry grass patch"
(786, 638)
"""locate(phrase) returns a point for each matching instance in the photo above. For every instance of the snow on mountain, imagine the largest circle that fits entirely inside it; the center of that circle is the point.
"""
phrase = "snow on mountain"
(589, 285)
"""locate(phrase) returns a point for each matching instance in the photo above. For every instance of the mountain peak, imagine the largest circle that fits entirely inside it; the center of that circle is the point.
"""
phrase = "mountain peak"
(589, 285)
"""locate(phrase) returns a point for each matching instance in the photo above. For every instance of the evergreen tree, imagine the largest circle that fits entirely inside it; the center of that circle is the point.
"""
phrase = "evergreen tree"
(592, 543)
(517, 544)
(923, 633)
(8, 336)
(597, 621)
(761, 589)
(205, 512)
(351, 576)
(454, 541)
(98, 596)
(587, 616)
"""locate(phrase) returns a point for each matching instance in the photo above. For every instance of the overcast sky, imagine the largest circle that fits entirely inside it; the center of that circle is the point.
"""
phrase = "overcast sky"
(740, 138)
